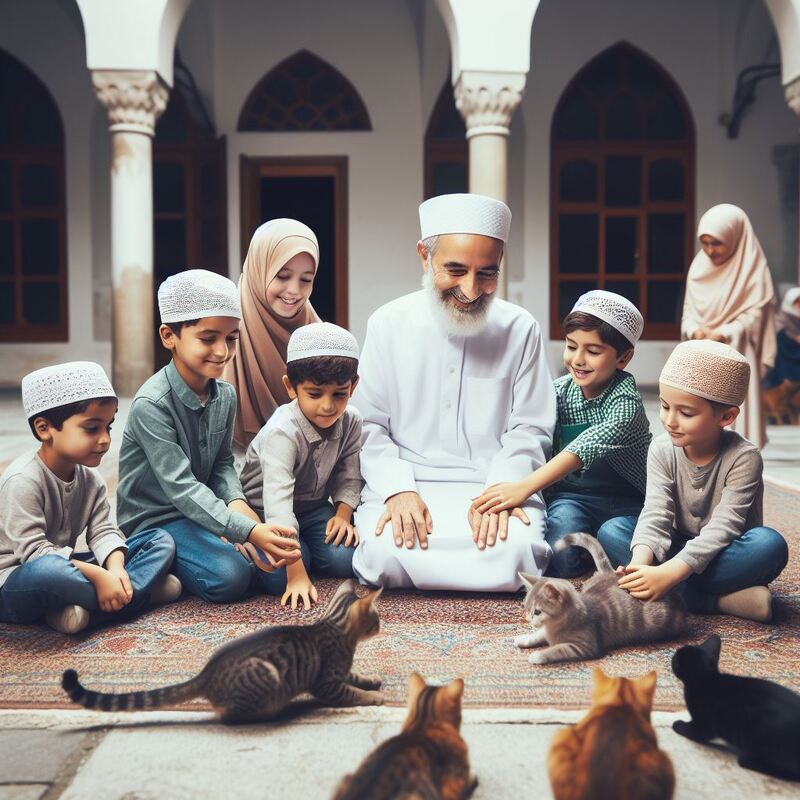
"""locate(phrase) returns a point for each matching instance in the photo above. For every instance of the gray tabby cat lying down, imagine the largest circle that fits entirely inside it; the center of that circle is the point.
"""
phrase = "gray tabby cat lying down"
(588, 623)
(254, 677)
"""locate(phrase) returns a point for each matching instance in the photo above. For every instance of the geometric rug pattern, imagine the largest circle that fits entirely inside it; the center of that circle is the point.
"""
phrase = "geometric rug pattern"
(441, 635)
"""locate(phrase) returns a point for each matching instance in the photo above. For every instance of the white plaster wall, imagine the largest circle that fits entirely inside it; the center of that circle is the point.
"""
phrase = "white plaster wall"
(703, 46)
(375, 46)
(55, 53)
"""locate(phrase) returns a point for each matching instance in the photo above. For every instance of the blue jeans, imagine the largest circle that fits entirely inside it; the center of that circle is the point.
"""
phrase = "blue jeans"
(574, 512)
(755, 558)
(52, 582)
(215, 571)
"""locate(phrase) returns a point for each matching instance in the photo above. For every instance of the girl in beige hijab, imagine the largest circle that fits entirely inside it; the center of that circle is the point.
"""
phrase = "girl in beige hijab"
(277, 279)
(730, 298)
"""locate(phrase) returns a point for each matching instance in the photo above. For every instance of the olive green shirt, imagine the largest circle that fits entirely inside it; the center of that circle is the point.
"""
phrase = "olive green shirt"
(176, 460)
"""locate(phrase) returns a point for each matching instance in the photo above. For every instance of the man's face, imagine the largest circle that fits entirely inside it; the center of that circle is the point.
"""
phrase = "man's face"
(465, 269)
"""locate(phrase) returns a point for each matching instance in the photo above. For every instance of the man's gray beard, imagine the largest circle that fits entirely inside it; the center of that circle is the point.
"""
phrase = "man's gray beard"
(452, 320)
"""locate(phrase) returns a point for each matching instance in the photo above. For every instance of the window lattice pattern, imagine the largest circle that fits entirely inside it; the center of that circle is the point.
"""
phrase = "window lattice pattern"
(304, 93)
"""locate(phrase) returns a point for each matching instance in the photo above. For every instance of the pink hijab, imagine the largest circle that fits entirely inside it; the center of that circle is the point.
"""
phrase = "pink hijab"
(259, 364)
(738, 290)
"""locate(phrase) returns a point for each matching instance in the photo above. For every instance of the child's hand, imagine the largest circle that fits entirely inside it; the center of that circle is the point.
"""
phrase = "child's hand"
(113, 588)
(502, 497)
(298, 587)
(648, 583)
(340, 531)
(277, 543)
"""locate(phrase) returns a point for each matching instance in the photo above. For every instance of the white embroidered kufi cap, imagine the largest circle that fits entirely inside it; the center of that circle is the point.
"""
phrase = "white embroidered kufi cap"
(616, 310)
(321, 339)
(197, 293)
(708, 369)
(465, 213)
(60, 384)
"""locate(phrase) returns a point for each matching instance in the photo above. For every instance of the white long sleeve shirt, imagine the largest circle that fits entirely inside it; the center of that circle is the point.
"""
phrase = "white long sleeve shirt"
(478, 409)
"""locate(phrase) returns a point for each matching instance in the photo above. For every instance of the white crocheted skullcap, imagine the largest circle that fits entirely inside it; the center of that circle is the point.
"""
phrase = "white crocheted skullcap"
(708, 369)
(60, 384)
(465, 213)
(321, 339)
(197, 293)
(616, 310)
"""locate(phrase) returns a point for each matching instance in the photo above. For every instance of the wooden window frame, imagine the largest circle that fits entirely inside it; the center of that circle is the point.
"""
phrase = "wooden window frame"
(253, 168)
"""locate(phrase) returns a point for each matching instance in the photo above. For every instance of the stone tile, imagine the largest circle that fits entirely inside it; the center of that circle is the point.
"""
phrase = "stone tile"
(34, 756)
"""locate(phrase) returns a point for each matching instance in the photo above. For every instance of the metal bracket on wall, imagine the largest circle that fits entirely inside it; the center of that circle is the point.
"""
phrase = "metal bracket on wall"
(745, 94)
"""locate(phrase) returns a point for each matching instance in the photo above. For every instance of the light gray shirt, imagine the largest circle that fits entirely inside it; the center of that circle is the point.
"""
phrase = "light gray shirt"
(702, 507)
(291, 468)
(41, 514)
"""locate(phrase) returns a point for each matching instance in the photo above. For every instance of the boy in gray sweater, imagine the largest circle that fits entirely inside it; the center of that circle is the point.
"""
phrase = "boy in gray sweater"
(302, 470)
(702, 525)
(48, 497)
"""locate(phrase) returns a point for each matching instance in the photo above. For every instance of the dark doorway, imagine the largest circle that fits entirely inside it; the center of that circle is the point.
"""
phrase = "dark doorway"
(313, 191)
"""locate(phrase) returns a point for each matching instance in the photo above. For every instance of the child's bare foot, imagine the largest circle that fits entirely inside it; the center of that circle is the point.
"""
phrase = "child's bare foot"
(754, 603)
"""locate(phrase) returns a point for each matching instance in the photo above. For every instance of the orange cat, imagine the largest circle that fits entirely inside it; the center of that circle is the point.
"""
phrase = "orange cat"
(612, 752)
(427, 760)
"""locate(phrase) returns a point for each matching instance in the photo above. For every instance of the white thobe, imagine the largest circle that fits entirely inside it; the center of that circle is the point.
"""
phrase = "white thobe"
(446, 416)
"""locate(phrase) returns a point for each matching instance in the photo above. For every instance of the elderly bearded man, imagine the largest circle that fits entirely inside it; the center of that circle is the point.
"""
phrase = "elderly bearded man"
(456, 395)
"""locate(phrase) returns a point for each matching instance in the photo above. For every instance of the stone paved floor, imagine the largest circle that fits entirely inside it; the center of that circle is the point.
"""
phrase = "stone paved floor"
(81, 756)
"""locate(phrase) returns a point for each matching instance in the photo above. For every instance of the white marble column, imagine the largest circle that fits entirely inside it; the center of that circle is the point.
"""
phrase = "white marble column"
(134, 100)
(487, 101)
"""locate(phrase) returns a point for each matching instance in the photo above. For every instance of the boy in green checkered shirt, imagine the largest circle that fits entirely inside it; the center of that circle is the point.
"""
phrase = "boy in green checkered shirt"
(602, 433)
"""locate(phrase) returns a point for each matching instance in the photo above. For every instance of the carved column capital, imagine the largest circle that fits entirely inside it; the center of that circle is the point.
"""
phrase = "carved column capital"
(792, 94)
(487, 100)
(135, 99)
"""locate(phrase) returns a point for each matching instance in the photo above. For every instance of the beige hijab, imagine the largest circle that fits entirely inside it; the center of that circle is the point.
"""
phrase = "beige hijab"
(739, 290)
(260, 360)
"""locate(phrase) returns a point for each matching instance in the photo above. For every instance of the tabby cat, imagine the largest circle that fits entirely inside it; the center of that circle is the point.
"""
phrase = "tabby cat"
(587, 623)
(759, 718)
(612, 752)
(253, 677)
(427, 760)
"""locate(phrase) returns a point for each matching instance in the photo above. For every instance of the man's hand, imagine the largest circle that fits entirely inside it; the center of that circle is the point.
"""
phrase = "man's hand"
(652, 583)
(298, 587)
(502, 497)
(112, 592)
(410, 518)
(277, 544)
(486, 527)
(710, 333)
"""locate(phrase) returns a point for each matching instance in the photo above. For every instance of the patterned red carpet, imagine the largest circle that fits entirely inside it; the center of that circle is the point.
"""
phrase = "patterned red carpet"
(440, 635)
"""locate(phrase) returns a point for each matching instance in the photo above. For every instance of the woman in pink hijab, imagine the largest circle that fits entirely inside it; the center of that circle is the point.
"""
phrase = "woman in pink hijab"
(730, 298)
(277, 279)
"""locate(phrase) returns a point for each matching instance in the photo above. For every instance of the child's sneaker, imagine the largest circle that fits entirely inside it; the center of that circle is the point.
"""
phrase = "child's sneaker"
(70, 619)
(166, 590)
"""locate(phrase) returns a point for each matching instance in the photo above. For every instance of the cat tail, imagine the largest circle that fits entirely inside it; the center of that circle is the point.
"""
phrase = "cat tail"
(587, 542)
(129, 701)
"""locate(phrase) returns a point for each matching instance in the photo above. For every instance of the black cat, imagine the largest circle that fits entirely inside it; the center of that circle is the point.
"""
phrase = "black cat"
(760, 719)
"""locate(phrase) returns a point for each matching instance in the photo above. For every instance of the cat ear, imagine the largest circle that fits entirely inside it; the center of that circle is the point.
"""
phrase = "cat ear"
(370, 600)
(551, 591)
(455, 689)
(712, 646)
(528, 580)
(647, 687)
(600, 678)
(416, 683)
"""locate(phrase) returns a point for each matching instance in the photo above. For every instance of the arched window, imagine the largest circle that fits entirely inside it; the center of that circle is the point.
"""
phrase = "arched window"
(446, 149)
(33, 260)
(304, 93)
(622, 189)
(189, 197)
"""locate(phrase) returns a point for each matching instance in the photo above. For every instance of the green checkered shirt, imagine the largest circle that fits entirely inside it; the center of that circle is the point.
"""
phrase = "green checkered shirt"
(619, 433)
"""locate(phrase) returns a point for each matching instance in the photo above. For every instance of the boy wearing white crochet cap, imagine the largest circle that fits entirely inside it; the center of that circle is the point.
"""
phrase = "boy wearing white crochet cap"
(302, 469)
(176, 470)
(701, 527)
(602, 434)
(50, 496)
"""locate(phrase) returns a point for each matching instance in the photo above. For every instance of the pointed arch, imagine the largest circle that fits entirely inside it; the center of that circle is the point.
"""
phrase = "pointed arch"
(33, 260)
(446, 149)
(622, 188)
(304, 93)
